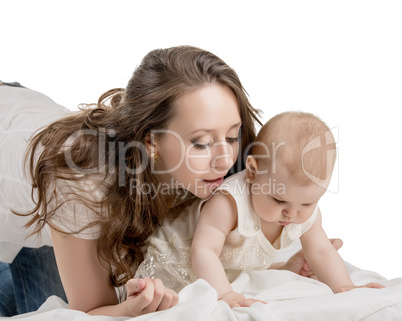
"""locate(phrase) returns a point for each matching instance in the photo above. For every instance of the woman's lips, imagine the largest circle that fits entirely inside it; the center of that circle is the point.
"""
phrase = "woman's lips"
(284, 223)
(213, 182)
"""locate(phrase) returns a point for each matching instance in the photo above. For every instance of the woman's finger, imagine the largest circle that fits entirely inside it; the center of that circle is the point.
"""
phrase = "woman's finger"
(175, 298)
(134, 286)
(139, 301)
(157, 295)
(169, 299)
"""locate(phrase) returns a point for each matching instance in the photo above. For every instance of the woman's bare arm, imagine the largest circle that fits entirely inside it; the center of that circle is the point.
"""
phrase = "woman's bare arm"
(87, 286)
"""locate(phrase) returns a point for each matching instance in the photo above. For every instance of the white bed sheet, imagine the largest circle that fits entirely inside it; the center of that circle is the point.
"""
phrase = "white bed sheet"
(288, 296)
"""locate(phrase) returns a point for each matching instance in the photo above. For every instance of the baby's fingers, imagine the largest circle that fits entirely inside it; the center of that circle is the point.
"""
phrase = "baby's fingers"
(249, 302)
(373, 286)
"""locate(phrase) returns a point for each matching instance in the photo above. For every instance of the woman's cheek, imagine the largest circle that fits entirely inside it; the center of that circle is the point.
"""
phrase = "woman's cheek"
(198, 164)
(172, 157)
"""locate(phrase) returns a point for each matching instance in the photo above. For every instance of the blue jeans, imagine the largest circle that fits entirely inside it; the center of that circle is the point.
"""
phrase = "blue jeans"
(28, 281)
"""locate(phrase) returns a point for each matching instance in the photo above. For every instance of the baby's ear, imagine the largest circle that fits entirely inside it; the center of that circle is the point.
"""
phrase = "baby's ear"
(251, 168)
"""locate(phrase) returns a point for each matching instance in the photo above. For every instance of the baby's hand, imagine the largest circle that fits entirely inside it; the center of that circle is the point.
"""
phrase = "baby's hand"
(351, 287)
(238, 300)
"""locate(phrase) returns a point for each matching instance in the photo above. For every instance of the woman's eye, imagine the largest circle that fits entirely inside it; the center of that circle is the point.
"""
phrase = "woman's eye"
(229, 140)
(200, 146)
(232, 140)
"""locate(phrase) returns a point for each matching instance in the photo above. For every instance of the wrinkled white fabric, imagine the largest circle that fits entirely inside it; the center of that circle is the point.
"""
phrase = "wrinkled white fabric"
(289, 297)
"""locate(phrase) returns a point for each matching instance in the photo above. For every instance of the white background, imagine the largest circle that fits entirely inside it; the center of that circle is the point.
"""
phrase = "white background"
(341, 60)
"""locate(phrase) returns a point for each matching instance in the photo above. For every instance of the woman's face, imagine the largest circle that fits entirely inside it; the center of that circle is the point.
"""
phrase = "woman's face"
(201, 143)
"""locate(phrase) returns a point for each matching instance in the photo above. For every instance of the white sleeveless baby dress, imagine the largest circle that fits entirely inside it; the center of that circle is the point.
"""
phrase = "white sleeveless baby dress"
(246, 247)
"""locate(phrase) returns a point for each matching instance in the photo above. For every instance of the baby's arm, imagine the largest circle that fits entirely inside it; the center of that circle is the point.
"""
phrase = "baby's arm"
(325, 261)
(217, 218)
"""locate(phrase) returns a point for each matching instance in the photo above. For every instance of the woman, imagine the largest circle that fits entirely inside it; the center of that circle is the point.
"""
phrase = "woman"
(104, 178)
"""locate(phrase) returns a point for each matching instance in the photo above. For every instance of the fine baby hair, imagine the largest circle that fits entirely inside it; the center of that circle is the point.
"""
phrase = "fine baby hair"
(301, 143)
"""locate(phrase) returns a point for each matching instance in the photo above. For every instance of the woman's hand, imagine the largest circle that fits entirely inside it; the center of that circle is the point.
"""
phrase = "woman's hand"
(298, 264)
(148, 295)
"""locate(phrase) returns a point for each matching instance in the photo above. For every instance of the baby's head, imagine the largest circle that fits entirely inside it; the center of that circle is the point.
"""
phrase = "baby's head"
(298, 142)
(291, 162)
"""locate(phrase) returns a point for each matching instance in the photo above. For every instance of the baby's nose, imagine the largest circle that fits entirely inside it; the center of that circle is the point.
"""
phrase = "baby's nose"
(290, 211)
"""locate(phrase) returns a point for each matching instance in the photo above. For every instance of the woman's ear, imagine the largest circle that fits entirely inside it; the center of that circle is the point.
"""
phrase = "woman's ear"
(251, 168)
(150, 145)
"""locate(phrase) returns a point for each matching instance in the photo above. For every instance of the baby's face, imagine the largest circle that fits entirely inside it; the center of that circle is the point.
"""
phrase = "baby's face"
(278, 199)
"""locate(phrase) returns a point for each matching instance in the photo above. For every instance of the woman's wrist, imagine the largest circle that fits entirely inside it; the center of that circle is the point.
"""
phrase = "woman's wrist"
(118, 310)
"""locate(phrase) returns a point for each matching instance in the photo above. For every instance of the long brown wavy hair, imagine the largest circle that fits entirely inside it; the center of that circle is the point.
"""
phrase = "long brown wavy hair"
(121, 116)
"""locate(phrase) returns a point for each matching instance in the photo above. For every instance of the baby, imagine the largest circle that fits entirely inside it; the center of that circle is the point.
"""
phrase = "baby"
(260, 211)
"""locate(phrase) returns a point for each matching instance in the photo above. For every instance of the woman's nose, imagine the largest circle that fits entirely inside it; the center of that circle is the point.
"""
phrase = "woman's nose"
(222, 160)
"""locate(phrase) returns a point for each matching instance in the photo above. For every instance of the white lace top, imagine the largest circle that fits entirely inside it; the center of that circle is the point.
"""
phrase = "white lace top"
(245, 248)
(167, 255)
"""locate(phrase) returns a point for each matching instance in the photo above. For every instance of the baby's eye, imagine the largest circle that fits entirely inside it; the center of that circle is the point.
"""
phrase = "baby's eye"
(232, 140)
(307, 205)
(277, 201)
